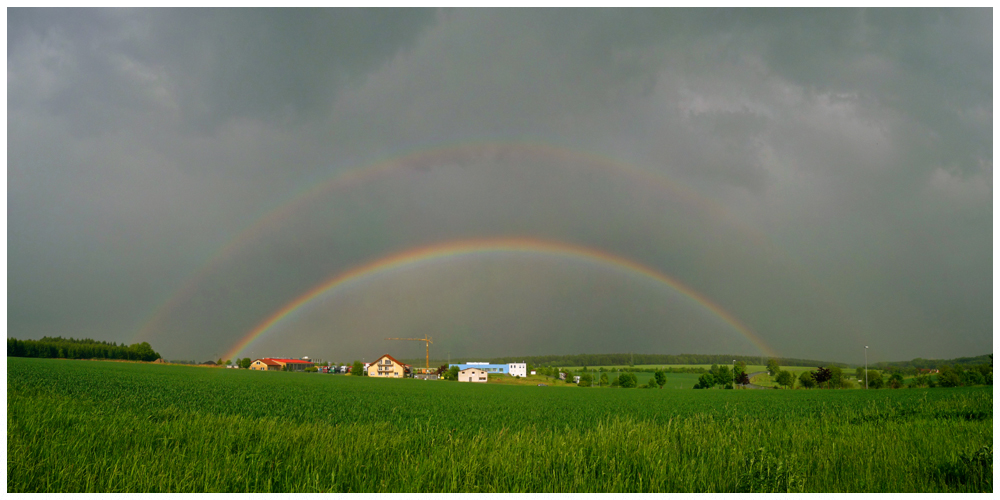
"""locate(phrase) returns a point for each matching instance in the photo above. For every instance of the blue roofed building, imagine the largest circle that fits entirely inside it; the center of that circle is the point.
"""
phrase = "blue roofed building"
(513, 369)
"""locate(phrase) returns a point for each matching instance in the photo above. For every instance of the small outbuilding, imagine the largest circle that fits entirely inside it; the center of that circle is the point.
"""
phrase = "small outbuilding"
(472, 374)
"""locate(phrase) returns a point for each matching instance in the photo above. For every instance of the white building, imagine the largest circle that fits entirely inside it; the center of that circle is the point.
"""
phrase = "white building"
(472, 375)
(517, 369)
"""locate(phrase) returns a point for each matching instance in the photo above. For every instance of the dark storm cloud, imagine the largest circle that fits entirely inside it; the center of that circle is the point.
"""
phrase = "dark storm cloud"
(846, 155)
(216, 64)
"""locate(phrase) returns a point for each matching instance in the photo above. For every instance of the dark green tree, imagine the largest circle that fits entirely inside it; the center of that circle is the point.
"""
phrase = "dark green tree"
(785, 378)
(972, 377)
(627, 380)
(772, 367)
(245, 363)
(896, 380)
(836, 377)
(357, 369)
(603, 381)
(705, 381)
(806, 380)
(586, 380)
(875, 380)
(949, 377)
(722, 375)
(821, 376)
(661, 378)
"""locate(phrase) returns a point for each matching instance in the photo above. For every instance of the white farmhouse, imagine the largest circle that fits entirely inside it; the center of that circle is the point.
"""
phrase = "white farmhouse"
(517, 369)
(472, 375)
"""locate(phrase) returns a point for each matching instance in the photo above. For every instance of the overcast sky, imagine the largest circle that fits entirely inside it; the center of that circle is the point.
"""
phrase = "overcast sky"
(824, 176)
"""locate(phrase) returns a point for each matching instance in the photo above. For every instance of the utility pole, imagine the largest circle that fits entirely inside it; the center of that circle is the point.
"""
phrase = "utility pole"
(866, 367)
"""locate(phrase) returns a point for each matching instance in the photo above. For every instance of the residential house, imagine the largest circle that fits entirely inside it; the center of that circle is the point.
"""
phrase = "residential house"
(388, 366)
(265, 364)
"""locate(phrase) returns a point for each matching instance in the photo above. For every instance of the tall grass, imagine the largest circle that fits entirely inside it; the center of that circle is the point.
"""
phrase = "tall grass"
(145, 430)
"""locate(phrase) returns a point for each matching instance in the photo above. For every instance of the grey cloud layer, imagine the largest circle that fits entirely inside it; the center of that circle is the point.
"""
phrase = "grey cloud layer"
(857, 143)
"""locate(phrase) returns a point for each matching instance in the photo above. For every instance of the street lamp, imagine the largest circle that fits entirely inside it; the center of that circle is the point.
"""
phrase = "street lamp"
(734, 374)
(866, 367)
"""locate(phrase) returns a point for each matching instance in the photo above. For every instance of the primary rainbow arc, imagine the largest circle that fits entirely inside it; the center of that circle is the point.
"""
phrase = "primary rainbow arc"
(486, 246)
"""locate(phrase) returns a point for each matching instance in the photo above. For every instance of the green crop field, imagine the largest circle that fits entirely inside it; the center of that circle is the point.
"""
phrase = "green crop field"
(83, 426)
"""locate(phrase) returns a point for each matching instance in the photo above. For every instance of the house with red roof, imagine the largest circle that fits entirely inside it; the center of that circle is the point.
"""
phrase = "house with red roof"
(388, 366)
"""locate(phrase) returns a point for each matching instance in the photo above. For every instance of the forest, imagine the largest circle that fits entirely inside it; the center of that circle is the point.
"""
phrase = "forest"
(58, 347)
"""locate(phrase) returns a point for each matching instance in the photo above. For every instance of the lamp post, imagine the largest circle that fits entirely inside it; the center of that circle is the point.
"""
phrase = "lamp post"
(866, 367)
(734, 374)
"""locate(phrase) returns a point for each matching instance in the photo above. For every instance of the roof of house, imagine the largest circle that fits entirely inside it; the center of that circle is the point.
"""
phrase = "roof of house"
(269, 362)
(394, 360)
(299, 361)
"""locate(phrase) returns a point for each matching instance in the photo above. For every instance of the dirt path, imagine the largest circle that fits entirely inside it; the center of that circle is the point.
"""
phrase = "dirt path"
(752, 386)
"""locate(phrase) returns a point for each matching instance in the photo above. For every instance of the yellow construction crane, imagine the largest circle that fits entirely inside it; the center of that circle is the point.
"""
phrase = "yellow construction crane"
(429, 342)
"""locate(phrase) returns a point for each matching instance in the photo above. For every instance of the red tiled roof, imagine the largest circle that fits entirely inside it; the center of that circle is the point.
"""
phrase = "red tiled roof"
(269, 362)
(279, 360)
(392, 358)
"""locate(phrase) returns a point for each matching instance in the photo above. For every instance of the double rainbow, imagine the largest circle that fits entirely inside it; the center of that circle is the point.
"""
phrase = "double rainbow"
(347, 179)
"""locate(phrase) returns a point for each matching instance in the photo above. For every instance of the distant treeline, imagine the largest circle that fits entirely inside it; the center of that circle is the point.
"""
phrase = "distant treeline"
(921, 363)
(58, 347)
(628, 359)
(652, 359)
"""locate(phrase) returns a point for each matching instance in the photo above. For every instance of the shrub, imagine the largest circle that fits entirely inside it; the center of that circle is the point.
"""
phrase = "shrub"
(627, 380)
(806, 380)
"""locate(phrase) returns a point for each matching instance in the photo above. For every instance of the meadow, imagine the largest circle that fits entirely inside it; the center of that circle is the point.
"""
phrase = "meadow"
(88, 426)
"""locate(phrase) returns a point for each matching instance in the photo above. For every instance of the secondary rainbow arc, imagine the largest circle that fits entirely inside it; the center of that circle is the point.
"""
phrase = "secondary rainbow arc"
(485, 246)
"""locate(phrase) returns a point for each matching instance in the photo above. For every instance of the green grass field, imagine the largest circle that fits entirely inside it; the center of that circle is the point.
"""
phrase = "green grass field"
(81, 426)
